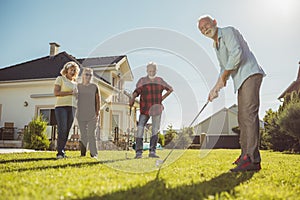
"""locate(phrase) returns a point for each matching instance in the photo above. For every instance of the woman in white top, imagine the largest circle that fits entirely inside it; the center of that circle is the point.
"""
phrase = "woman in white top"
(88, 107)
(65, 90)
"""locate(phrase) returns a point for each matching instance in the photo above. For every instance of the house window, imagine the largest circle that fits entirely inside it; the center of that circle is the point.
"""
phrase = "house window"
(49, 115)
(115, 121)
(114, 81)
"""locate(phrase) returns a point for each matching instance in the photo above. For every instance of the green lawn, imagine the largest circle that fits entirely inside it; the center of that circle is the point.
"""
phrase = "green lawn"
(191, 174)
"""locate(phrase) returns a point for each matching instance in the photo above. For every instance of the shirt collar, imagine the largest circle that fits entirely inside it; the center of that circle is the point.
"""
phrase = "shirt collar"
(219, 36)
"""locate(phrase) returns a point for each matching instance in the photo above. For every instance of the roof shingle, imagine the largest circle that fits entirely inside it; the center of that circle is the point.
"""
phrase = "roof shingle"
(50, 66)
(45, 67)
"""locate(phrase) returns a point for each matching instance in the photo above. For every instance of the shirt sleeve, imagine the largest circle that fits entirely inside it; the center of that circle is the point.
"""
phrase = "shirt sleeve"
(233, 46)
(58, 81)
(139, 86)
(221, 72)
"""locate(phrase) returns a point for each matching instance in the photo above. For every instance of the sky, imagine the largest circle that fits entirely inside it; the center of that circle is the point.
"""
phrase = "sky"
(165, 32)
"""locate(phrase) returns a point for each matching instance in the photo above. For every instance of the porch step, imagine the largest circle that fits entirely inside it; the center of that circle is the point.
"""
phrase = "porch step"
(11, 143)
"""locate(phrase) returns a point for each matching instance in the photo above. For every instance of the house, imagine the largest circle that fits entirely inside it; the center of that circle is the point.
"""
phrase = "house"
(216, 131)
(220, 123)
(26, 90)
(295, 86)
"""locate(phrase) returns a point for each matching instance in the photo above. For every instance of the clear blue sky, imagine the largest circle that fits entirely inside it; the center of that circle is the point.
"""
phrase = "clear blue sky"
(271, 28)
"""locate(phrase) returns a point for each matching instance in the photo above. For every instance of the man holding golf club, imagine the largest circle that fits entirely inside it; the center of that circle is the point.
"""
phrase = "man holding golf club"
(150, 89)
(236, 60)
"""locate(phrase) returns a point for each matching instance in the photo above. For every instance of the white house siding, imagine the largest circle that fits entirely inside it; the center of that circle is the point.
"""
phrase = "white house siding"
(13, 96)
(232, 121)
(219, 123)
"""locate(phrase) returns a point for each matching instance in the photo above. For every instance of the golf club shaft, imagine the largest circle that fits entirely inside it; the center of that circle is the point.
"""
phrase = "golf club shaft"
(177, 142)
(198, 114)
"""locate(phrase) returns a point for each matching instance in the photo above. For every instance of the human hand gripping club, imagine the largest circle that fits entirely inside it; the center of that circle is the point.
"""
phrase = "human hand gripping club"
(214, 93)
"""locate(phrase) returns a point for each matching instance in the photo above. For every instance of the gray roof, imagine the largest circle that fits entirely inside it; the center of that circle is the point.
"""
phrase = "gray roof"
(50, 66)
(45, 67)
(295, 86)
(100, 61)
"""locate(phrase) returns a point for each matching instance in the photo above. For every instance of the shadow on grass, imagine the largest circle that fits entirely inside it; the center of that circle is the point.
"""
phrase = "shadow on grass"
(60, 165)
(25, 160)
(158, 189)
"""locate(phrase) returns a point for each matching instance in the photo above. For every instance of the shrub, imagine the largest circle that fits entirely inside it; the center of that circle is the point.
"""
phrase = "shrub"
(265, 140)
(161, 139)
(170, 134)
(183, 140)
(289, 119)
(274, 137)
(34, 135)
(236, 129)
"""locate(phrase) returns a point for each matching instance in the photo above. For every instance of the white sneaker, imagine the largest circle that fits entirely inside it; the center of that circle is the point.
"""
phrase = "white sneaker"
(95, 157)
(59, 157)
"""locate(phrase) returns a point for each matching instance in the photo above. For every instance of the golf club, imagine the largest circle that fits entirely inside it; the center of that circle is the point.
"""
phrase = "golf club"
(161, 162)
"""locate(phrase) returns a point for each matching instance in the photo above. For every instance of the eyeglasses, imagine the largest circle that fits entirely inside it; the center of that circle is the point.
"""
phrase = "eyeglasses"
(88, 74)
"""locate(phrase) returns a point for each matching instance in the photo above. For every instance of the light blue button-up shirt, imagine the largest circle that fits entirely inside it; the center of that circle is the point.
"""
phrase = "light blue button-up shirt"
(233, 53)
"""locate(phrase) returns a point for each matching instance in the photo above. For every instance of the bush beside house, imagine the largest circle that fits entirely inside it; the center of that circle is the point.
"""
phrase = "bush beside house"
(35, 134)
(282, 127)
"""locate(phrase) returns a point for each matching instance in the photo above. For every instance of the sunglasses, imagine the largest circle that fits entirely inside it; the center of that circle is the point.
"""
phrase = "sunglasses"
(88, 74)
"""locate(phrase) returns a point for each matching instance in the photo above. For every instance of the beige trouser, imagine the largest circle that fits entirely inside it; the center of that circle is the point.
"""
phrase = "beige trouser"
(248, 119)
(88, 135)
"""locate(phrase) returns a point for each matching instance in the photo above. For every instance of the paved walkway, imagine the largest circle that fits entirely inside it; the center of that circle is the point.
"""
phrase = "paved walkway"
(17, 150)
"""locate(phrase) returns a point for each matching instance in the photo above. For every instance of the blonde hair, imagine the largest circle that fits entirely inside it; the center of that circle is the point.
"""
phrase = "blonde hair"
(69, 65)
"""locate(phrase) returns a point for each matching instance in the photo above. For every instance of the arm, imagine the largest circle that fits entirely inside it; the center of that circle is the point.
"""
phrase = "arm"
(224, 77)
(98, 102)
(136, 92)
(167, 93)
(58, 92)
(233, 46)
(132, 99)
(166, 87)
(233, 42)
(214, 93)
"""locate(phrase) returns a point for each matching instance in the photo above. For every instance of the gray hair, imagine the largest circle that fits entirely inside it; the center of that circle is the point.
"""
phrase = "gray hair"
(152, 64)
(204, 17)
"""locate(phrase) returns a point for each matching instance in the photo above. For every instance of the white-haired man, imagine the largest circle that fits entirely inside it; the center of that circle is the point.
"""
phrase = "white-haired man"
(236, 60)
(150, 89)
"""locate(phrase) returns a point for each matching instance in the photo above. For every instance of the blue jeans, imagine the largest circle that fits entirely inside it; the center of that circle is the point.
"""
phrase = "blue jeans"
(143, 119)
(64, 118)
